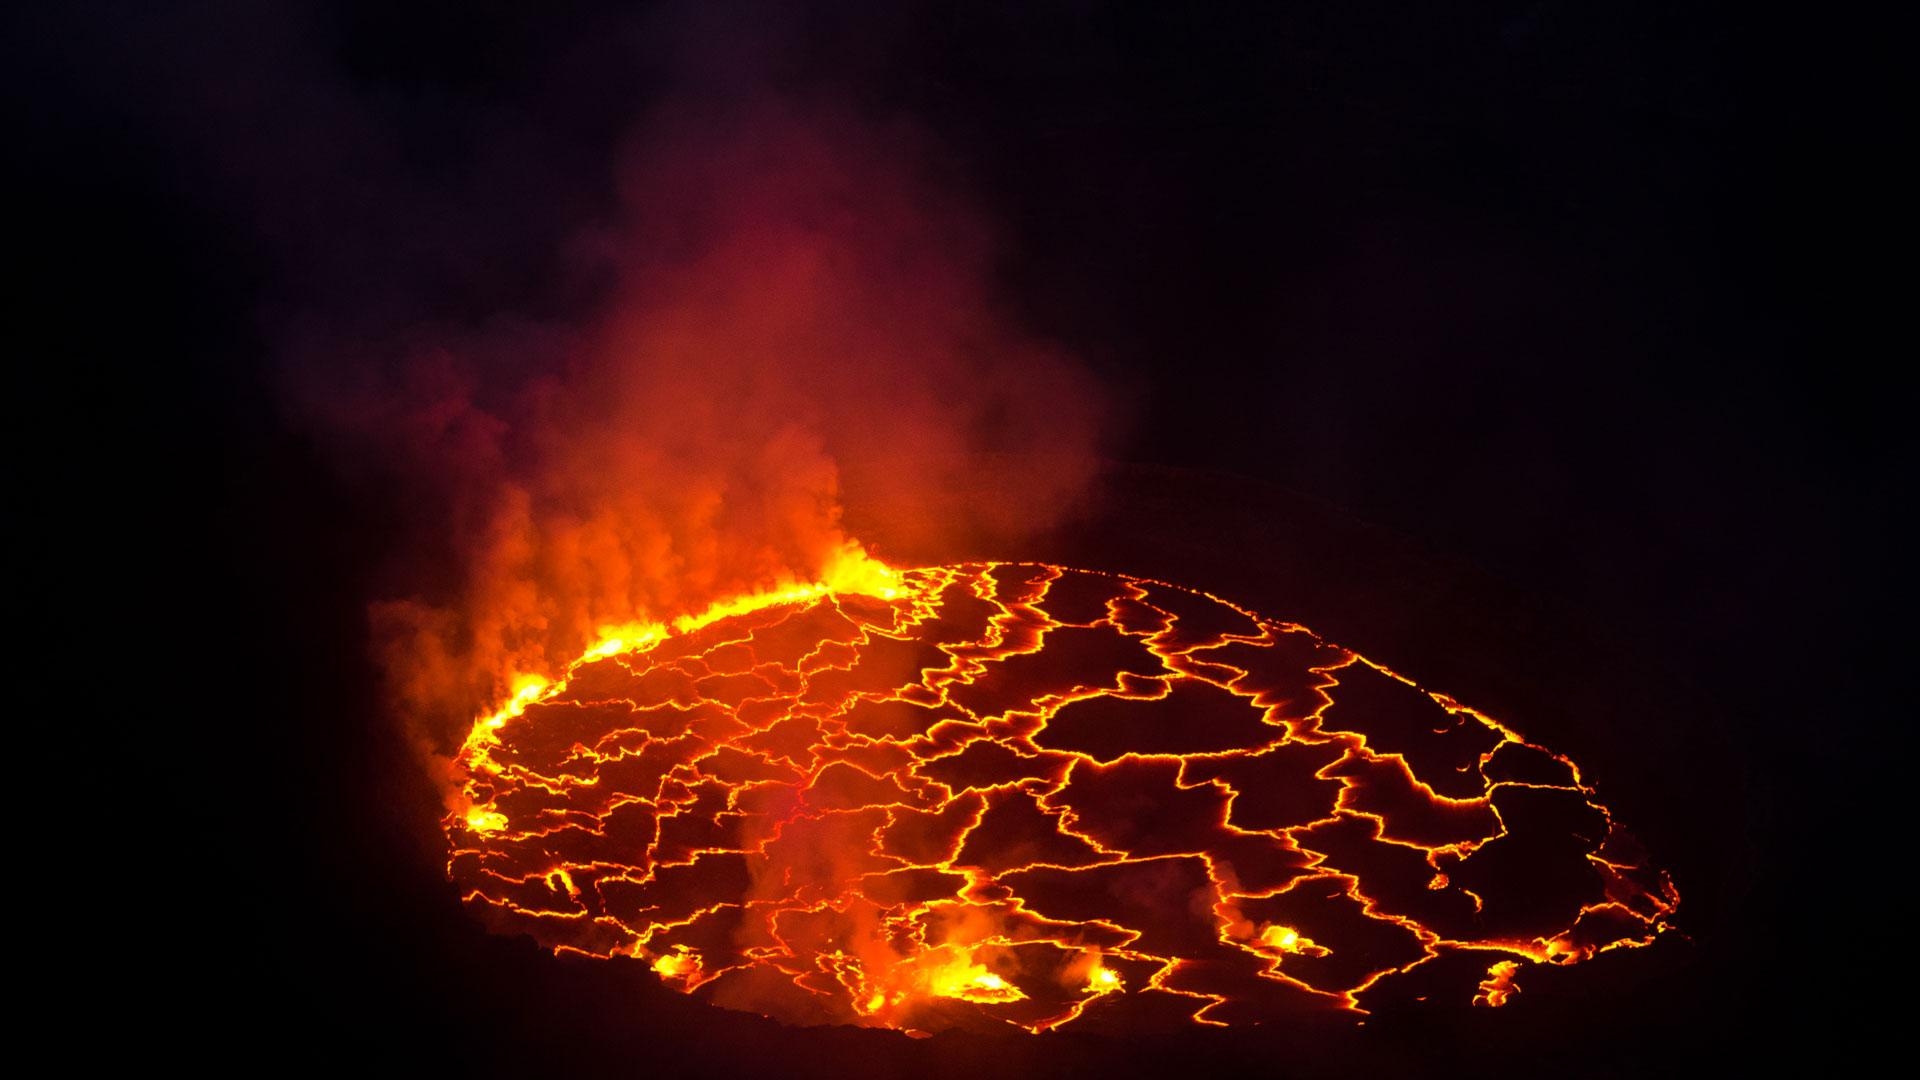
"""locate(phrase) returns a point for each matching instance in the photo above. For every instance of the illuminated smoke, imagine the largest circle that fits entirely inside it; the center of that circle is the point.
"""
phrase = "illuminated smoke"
(791, 299)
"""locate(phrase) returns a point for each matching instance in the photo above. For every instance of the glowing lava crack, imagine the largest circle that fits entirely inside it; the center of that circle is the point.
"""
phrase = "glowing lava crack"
(1017, 794)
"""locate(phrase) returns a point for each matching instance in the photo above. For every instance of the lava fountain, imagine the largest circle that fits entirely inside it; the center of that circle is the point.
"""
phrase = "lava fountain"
(998, 794)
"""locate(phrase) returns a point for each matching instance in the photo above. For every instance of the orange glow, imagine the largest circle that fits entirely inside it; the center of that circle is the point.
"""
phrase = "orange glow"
(482, 820)
(1287, 939)
(851, 572)
(1007, 794)
(959, 977)
(1498, 986)
(681, 964)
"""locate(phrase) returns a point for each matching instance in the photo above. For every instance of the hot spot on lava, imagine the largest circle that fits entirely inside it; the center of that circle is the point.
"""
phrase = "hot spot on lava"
(1015, 794)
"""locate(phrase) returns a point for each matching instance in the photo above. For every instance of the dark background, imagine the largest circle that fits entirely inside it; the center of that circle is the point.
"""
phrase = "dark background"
(1529, 347)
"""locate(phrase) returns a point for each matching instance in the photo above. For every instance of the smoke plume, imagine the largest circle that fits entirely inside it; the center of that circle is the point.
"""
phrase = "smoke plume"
(615, 317)
(792, 295)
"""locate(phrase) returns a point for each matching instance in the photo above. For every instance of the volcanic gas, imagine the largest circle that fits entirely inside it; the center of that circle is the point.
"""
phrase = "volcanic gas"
(1000, 794)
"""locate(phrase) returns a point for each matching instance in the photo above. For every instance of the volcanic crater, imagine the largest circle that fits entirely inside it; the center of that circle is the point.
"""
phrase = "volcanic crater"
(1002, 795)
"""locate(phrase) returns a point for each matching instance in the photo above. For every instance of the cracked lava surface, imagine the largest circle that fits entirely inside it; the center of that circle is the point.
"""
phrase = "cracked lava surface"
(1016, 794)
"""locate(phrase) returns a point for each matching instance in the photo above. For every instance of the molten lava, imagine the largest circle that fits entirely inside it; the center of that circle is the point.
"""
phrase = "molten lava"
(997, 794)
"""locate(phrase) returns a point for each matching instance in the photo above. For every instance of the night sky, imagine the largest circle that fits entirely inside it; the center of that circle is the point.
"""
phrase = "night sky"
(1523, 346)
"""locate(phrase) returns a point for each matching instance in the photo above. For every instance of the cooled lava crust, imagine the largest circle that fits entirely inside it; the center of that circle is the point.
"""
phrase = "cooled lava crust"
(1018, 794)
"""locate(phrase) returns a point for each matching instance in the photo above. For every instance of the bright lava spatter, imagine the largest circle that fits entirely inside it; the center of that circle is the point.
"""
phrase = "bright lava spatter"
(996, 794)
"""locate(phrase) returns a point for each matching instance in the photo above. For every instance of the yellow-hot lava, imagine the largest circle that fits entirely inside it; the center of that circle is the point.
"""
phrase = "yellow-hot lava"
(952, 973)
(1017, 794)
(1498, 986)
(1287, 939)
(678, 964)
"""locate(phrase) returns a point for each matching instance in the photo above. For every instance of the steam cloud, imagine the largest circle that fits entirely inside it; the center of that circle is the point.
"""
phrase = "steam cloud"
(618, 327)
(786, 300)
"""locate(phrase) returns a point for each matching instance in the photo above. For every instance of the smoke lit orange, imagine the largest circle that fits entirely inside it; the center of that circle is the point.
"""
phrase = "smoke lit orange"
(1013, 794)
